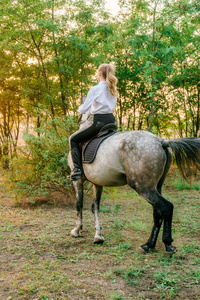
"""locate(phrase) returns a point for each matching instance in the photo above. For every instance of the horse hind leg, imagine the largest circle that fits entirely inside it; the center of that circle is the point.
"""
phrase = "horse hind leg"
(78, 185)
(163, 211)
(97, 192)
(157, 215)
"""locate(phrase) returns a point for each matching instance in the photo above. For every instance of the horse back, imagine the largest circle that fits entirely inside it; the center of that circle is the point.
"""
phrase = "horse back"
(127, 154)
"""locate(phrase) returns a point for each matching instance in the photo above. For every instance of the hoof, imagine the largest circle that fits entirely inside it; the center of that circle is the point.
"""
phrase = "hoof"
(141, 251)
(99, 239)
(170, 249)
(144, 249)
(75, 233)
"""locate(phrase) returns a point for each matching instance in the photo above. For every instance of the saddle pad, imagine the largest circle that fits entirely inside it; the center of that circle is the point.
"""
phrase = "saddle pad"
(89, 150)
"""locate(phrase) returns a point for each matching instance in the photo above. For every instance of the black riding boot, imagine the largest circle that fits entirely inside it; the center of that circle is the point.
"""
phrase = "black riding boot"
(76, 173)
(76, 157)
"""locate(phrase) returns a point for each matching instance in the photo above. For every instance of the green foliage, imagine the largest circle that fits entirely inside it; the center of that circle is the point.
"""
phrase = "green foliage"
(49, 52)
(43, 164)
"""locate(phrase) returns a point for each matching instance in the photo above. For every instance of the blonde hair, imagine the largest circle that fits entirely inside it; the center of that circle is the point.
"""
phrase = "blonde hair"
(108, 72)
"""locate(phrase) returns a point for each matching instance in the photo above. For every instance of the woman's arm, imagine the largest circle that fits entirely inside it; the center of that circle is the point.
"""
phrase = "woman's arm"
(86, 105)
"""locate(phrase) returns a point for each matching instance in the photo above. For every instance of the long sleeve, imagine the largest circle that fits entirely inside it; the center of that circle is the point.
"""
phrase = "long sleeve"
(99, 99)
(88, 102)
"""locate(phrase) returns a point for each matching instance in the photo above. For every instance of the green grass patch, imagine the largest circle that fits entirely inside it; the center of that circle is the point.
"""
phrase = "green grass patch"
(39, 259)
(181, 184)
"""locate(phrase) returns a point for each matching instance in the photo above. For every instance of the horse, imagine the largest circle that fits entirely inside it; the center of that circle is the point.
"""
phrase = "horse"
(141, 160)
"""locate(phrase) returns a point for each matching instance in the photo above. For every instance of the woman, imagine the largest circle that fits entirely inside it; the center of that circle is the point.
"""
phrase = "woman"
(102, 100)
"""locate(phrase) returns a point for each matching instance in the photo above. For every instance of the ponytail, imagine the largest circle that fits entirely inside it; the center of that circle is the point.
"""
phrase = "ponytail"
(108, 72)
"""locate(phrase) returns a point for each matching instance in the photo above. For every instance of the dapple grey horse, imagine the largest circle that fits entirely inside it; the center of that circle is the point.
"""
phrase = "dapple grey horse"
(141, 160)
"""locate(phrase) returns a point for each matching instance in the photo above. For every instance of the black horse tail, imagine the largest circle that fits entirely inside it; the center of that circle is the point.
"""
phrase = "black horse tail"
(186, 152)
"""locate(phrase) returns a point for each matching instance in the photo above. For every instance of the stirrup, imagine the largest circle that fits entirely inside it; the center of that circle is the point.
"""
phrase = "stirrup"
(75, 174)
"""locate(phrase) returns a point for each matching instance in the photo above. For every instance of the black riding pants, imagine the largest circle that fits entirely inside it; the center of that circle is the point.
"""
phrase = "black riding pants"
(87, 133)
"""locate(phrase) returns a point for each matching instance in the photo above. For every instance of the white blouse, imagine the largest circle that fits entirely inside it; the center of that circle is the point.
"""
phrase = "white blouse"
(99, 99)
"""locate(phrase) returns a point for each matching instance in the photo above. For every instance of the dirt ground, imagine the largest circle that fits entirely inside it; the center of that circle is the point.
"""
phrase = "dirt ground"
(39, 259)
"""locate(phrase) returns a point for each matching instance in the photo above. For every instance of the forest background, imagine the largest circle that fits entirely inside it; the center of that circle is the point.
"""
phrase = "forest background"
(49, 54)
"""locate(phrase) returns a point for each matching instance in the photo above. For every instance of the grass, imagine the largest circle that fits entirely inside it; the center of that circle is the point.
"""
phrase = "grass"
(181, 184)
(39, 259)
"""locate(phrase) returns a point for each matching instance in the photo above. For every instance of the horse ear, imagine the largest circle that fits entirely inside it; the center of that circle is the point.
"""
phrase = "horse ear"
(82, 99)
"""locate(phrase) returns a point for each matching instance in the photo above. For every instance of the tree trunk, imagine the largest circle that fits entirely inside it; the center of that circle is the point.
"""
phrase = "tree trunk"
(152, 100)
(198, 113)
(64, 106)
(185, 109)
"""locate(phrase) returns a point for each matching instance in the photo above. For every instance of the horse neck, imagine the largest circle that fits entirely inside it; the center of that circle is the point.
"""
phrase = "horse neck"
(87, 119)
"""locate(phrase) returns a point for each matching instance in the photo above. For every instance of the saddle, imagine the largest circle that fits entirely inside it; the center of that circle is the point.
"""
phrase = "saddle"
(89, 148)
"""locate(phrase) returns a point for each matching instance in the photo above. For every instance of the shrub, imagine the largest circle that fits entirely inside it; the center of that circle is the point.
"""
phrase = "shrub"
(41, 165)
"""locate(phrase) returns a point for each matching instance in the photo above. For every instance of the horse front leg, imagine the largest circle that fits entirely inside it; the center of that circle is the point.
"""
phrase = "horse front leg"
(78, 185)
(97, 192)
(151, 243)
